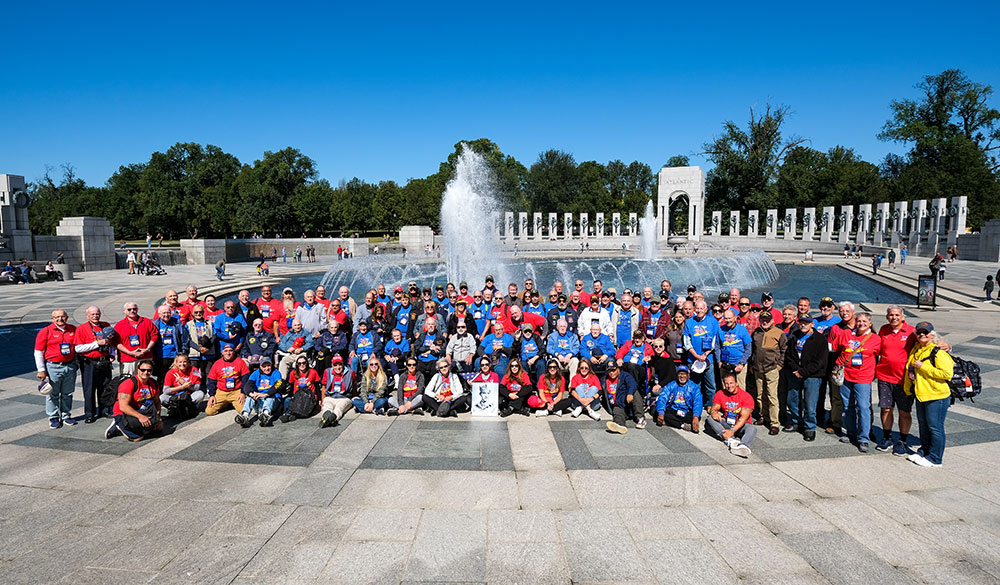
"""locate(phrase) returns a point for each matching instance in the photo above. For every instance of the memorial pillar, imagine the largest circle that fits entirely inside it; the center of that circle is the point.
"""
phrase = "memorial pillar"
(616, 224)
(771, 227)
(957, 213)
(753, 220)
(826, 222)
(584, 225)
(599, 226)
(864, 223)
(568, 225)
(716, 223)
(536, 226)
(633, 224)
(508, 225)
(919, 215)
(522, 223)
(495, 216)
(846, 219)
(734, 223)
(553, 226)
(789, 223)
(808, 224)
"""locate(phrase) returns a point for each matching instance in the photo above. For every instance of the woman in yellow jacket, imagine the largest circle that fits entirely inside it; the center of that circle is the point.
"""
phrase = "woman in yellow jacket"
(927, 380)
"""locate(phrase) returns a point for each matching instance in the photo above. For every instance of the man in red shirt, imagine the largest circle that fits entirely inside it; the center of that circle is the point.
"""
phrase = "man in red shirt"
(136, 337)
(321, 297)
(767, 304)
(729, 417)
(137, 409)
(178, 310)
(271, 310)
(192, 297)
(898, 338)
(94, 349)
(55, 359)
(226, 381)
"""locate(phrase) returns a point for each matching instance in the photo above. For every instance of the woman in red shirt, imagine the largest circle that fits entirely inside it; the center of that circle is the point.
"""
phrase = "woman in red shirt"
(551, 390)
(181, 385)
(858, 352)
(515, 387)
(137, 412)
(585, 390)
(409, 396)
(302, 378)
(486, 373)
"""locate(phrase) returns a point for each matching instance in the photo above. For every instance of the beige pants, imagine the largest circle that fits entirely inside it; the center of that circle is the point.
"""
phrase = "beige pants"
(223, 399)
(767, 393)
(338, 406)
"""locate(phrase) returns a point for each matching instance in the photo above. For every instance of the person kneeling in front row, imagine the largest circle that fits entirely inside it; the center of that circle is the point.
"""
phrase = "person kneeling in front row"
(729, 417)
(679, 403)
(624, 399)
(137, 411)
(338, 386)
(261, 391)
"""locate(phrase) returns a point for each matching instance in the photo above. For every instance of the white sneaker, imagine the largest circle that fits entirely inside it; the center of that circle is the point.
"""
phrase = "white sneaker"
(740, 450)
(922, 461)
(640, 424)
(576, 411)
(594, 414)
(542, 412)
(685, 427)
(731, 442)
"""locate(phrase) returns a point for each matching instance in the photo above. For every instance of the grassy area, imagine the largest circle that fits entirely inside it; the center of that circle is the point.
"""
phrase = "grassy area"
(142, 243)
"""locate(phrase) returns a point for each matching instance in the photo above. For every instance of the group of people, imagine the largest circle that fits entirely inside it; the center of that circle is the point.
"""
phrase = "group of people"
(728, 366)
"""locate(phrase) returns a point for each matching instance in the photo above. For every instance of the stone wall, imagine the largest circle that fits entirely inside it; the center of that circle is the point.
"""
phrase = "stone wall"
(415, 238)
(96, 240)
(203, 251)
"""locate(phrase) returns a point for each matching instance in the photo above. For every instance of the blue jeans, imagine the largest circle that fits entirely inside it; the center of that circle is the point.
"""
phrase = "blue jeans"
(706, 380)
(356, 362)
(59, 402)
(219, 271)
(857, 417)
(803, 394)
(258, 404)
(379, 404)
(930, 420)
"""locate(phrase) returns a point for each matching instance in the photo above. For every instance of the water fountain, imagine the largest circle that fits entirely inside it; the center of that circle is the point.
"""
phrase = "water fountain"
(647, 232)
(469, 200)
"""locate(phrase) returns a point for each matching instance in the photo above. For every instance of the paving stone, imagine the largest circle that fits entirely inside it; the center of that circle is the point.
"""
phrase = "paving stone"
(628, 488)
(752, 550)
(211, 560)
(811, 578)
(645, 524)
(454, 490)
(831, 478)
(956, 572)
(522, 526)
(92, 576)
(384, 524)
(210, 481)
(532, 445)
(906, 508)
(260, 520)
(585, 525)
(788, 517)
(302, 546)
(317, 486)
(519, 563)
(545, 490)
(905, 548)
(617, 561)
(842, 560)
(686, 561)
(966, 506)
(449, 546)
(770, 482)
(704, 484)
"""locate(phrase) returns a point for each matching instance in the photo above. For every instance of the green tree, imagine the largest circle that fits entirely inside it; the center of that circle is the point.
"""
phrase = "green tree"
(678, 160)
(747, 161)
(266, 189)
(552, 181)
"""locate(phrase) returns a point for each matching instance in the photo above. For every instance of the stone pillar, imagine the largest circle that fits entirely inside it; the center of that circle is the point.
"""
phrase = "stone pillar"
(914, 244)
(508, 225)
(522, 225)
(211, 251)
(883, 218)
(584, 225)
(941, 216)
(846, 220)
(919, 223)
(864, 223)
(957, 214)
(537, 223)
(553, 226)
(771, 224)
(734, 223)
(900, 217)
(616, 224)
(568, 225)
(826, 221)
(97, 240)
(753, 223)
(789, 223)
(633, 224)
(599, 225)
(716, 227)
(808, 224)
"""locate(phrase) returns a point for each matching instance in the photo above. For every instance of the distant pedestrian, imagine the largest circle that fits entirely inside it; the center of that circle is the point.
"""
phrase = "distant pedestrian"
(149, 240)
(847, 250)
(874, 263)
(284, 256)
(892, 259)
(220, 269)
(988, 287)
(903, 253)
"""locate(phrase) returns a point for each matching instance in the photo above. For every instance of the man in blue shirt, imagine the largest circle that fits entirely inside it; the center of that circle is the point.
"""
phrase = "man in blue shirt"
(597, 349)
(225, 332)
(564, 346)
(701, 339)
(173, 341)
(480, 312)
(679, 404)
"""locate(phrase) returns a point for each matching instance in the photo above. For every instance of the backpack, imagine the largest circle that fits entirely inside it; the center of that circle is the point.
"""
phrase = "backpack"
(109, 394)
(303, 404)
(965, 380)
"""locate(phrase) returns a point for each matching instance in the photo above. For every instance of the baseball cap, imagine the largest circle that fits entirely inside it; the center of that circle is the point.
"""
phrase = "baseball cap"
(463, 284)
(827, 302)
(766, 316)
(439, 287)
(612, 365)
(337, 359)
(682, 368)
(526, 326)
(606, 294)
(692, 288)
(805, 319)
(489, 278)
(724, 297)
(287, 289)
(699, 366)
(755, 306)
(924, 326)
(561, 299)
(766, 297)
(397, 289)
(461, 301)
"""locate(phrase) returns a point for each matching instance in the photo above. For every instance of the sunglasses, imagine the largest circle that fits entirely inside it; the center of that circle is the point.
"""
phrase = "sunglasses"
(442, 368)
(132, 309)
(301, 362)
(411, 365)
(553, 367)
(744, 304)
(146, 369)
(717, 310)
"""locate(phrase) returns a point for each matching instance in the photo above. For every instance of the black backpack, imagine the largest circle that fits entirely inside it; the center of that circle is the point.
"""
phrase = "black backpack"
(303, 404)
(109, 394)
(965, 380)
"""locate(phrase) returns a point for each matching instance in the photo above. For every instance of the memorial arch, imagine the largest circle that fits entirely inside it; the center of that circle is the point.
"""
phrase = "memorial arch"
(677, 184)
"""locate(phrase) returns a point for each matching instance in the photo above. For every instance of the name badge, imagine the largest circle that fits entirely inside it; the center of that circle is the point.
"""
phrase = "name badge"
(265, 311)
(133, 340)
(65, 349)
(168, 340)
(681, 413)
(230, 383)
(856, 359)
(732, 417)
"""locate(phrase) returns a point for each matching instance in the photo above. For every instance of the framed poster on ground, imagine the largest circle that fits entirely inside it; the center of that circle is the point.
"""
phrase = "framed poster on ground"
(485, 399)
(926, 291)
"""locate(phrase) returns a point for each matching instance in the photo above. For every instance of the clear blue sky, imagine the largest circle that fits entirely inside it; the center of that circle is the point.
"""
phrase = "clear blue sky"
(384, 90)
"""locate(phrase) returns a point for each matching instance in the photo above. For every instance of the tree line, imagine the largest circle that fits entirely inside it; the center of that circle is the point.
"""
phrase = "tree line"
(194, 190)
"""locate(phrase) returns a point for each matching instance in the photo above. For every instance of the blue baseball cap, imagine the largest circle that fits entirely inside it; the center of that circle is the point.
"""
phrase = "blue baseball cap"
(683, 368)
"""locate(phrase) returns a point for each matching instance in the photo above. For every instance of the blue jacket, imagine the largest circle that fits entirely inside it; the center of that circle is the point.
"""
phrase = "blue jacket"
(289, 338)
(173, 340)
(736, 345)
(333, 343)
(568, 344)
(366, 343)
(686, 398)
(627, 386)
(222, 333)
(506, 343)
(703, 336)
(588, 344)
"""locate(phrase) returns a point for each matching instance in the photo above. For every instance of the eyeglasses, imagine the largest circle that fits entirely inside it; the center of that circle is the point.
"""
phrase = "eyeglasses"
(460, 328)
(553, 367)
(477, 297)
(132, 309)
(744, 304)
(147, 370)
(717, 310)
(411, 365)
